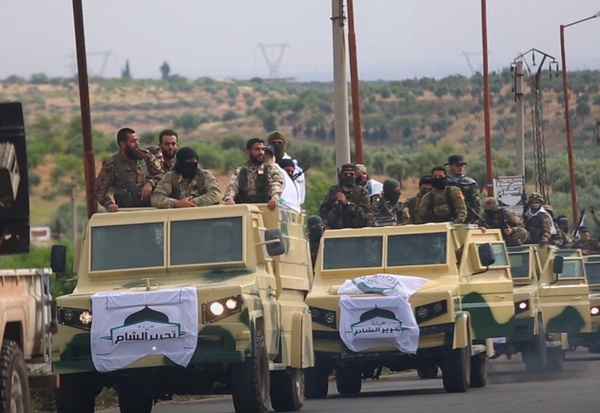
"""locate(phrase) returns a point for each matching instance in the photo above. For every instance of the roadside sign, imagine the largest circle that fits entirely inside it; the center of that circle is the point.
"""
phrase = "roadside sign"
(510, 190)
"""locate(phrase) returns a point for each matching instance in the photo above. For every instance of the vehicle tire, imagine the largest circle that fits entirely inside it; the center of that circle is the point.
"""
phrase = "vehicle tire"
(316, 382)
(479, 370)
(287, 390)
(456, 370)
(534, 352)
(14, 383)
(554, 359)
(133, 400)
(77, 393)
(430, 372)
(348, 380)
(250, 380)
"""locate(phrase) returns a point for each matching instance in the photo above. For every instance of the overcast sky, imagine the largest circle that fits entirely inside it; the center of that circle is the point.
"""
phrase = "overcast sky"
(396, 39)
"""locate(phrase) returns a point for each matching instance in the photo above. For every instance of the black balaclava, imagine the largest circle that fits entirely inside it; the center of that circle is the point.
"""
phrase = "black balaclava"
(438, 183)
(390, 191)
(278, 147)
(315, 228)
(187, 170)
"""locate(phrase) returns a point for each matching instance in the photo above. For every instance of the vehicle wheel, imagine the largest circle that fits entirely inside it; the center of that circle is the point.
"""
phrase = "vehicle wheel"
(133, 400)
(77, 393)
(287, 390)
(250, 380)
(316, 382)
(430, 372)
(555, 359)
(456, 370)
(348, 380)
(479, 370)
(534, 352)
(14, 384)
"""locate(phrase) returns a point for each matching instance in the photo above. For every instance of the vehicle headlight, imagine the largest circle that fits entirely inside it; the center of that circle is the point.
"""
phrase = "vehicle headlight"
(429, 311)
(74, 317)
(216, 310)
(595, 310)
(323, 316)
(521, 306)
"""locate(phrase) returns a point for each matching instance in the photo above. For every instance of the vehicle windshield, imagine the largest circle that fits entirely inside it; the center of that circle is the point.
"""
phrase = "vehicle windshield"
(519, 265)
(352, 252)
(417, 249)
(592, 271)
(127, 246)
(206, 241)
(572, 268)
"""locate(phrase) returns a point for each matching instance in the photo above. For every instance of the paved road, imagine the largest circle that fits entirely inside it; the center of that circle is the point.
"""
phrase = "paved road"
(510, 389)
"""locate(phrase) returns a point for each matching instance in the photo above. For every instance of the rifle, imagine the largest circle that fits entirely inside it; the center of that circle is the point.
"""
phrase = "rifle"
(579, 224)
(473, 213)
(299, 174)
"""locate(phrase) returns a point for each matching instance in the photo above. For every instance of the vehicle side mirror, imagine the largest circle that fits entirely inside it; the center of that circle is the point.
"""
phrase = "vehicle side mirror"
(486, 254)
(58, 258)
(274, 242)
(557, 264)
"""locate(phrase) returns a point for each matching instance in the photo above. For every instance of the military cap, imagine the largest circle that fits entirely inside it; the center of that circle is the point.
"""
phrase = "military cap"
(490, 203)
(535, 196)
(348, 167)
(314, 220)
(270, 149)
(583, 228)
(276, 135)
(455, 160)
(153, 149)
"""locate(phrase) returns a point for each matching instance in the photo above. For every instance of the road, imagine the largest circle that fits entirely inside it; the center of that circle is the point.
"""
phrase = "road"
(509, 389)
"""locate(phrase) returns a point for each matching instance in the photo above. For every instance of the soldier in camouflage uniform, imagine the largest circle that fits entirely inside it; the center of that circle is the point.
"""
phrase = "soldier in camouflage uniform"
(346, 204)
(468, 186)
(594, 216)
(186, 185)
(387, 210)
(132, 173)
(587, 245)
(562, 239)
(315, 232)
(538, 222)
(168, 142)
(255, 182)
(412, 204)
(504, 219)
(443, 203)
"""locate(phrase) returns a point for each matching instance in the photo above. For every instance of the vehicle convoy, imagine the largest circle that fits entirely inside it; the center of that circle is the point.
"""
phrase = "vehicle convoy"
(591, 340)
(203, 300)
(462, 297)
(550, 301)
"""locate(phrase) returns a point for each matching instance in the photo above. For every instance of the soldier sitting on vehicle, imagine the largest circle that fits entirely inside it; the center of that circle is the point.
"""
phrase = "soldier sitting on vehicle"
(345, 205)
(468, 186)
(387, 210)
(538, 221)
(562, 239)
(587, 245)
(186, 185)
(413, 203)
(443, 203)
(505, 220)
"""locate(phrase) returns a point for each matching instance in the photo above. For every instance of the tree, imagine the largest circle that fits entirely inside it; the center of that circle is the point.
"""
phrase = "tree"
(165, 69)
(583, 110)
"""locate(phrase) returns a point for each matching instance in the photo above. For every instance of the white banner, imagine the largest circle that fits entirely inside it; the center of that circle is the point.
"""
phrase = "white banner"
(130, 325)
(509, 191)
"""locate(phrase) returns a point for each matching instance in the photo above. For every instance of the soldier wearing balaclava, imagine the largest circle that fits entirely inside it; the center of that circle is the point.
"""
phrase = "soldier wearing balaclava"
(387, 210)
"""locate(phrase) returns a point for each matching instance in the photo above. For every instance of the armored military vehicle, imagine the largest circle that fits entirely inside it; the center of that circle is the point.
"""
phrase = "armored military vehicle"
(591, 340)
(463, 298)
(187, 301)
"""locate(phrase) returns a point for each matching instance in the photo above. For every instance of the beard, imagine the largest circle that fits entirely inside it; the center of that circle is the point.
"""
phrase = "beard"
(134, 154)
(256, 160)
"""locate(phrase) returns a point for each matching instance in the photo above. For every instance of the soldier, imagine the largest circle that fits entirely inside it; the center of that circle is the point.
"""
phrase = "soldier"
(562, 239)
(594, 217)
(538, 222)
(387, 210)
(587, 245)
(315, 232)
(504, 219)
(289, 194)
(255, 182)
(346, 204)
(372, 186)
(443, 203)
(168, 141)
(278, 141)
(413, 203)
(157, 152)
(468, 186)
(132, 173)
(186, 185)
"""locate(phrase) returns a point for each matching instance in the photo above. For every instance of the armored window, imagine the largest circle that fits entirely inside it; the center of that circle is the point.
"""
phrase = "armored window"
(572, 268)
(417, 249)
(592, 271)
(352, 252)
(500, 254)
(519, 265)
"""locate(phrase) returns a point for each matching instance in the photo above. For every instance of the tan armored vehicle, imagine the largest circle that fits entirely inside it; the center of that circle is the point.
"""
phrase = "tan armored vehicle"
(465, 297)
(187, 301)
(591, 340)
(26, 328)
(550, 300)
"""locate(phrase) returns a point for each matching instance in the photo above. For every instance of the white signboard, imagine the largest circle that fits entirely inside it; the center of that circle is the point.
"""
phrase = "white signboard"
(509, 190)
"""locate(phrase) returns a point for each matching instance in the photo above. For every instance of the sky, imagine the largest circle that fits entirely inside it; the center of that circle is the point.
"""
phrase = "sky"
(396, 39)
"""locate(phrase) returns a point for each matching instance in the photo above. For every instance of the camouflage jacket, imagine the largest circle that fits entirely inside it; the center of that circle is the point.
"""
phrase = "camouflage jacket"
(561, 239)
(383, 214)
(539, 227)
(434, 206)
(412, 204)
(168, 165)
(138, 173)
(501, 219)
(203, 189)
(353, 214)
(259, 183)
(590, 246)
(469, 188)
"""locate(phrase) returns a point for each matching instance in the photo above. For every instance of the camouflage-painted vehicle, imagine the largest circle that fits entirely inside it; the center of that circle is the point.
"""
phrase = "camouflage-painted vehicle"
(547, 291)
(187, 301)
(591, 340)
(465, 300)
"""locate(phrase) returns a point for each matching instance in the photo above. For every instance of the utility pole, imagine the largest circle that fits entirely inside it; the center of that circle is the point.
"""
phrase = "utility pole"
(358, 143)
(520, 138)
(486, 104)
